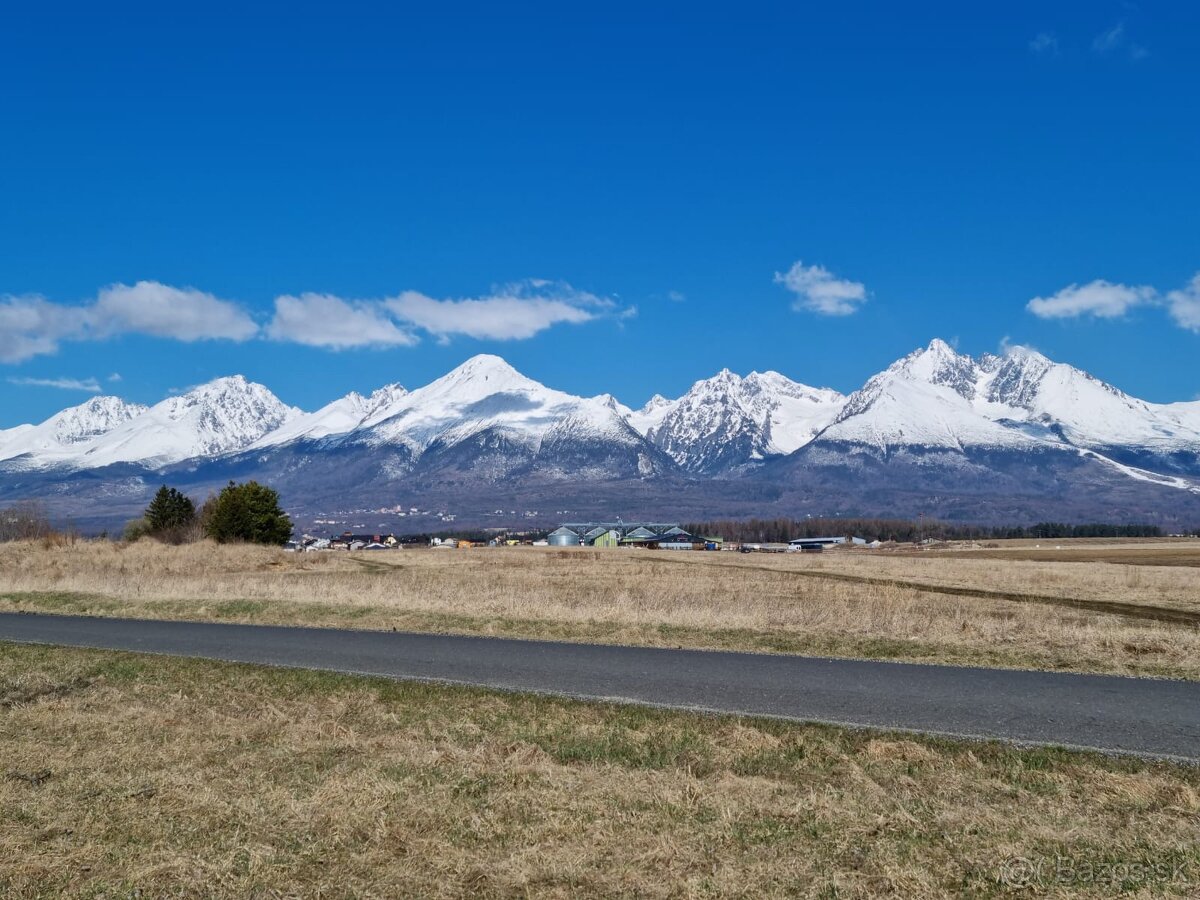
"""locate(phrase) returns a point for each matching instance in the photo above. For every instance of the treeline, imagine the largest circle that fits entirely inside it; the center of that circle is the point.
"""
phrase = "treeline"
(780, 530)
(1059, 530)
(475, 536)
(248, 513)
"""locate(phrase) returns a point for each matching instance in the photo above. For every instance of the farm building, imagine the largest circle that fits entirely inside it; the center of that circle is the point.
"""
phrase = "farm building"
(818, 543)
(650, 535)
(564, 537)
(609, 538)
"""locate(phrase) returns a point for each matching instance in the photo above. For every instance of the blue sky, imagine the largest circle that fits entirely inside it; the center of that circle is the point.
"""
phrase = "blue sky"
(627, 198)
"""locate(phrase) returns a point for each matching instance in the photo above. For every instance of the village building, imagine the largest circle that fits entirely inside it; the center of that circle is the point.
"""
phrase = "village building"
(645, 535)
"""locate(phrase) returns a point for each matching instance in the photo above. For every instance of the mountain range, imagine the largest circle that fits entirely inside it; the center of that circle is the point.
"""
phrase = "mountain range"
(998, 438)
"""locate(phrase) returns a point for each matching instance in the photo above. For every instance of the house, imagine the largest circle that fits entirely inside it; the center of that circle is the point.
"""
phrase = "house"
(349, 538)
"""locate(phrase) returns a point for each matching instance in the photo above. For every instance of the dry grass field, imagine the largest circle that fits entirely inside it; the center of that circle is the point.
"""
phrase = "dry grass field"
(1137, 552)
(948, 607)
(138, 776)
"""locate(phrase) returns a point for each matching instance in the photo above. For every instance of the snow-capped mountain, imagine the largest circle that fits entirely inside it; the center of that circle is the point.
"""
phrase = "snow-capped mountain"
(727, 421)
(484, 420)
(998, 436)
(224, 415)
(931, 398)
(337, 418)
(484, 393)
(647, 419)
(938, 398)
(64, 431)
(1083, 410)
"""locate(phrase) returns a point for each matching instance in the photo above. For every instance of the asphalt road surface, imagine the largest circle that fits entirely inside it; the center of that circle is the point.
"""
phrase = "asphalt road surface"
(1126, 715)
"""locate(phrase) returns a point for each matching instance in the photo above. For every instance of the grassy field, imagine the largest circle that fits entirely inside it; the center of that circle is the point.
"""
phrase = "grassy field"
(1139, 551)
(955, 607)
(128, 775)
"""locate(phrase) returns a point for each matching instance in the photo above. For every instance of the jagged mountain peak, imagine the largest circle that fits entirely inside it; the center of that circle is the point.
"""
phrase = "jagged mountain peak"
(337, 418)
(658, 401)
(772, 381)
(382, 397)
(608, 401)
(223, 385)
(92, 417)
(71, 427)
(220, 416)
(939, 363)
(729, 421)
(484, 415)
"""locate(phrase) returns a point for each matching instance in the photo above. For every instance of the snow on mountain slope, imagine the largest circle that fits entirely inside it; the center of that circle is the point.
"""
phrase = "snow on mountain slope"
(63, 431)
(339, 417)
(728, 421)
(483, 393)
(1186, 413)
(1086, 411)
(927, 399)
(219, 417)
(938, 398)
(934, 398)
(796, 411)
(650, 416)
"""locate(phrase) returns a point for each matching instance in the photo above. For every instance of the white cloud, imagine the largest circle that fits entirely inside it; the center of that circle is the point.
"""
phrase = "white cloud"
(1109, 40)
(115, 376)
(159, 310)
(1116, 38)
(1184, 305)
(514, 312)
(322, 320)
(33, 326)
(1099, 298)
(1045, 43)
(67, 384)
(818, 290)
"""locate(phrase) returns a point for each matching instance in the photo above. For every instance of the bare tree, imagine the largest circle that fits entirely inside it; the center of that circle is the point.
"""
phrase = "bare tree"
(24, 521)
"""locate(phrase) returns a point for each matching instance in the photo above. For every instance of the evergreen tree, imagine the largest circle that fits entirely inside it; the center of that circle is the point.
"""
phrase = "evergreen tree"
(169, 510)
(247, 512)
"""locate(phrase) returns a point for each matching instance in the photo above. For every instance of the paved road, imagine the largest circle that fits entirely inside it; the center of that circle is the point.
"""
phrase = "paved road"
(1142, 716)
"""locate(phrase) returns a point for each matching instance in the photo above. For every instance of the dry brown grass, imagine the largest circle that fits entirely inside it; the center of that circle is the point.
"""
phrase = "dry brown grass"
(157, 777)
(756, 602)
(1075, 573)
(1124, 551)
